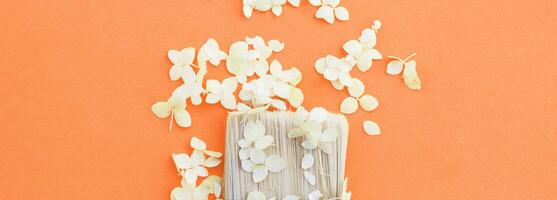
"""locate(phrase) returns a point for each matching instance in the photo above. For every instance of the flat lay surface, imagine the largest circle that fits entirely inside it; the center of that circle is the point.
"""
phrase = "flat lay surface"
(78, 79)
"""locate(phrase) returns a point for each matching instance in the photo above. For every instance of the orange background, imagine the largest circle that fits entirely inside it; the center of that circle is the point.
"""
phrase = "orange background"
(78, 79)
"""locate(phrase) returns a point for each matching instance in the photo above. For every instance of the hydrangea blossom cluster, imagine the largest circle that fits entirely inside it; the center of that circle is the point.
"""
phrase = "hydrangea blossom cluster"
(192, 166)
(329, 10)
(252, 154)
(360, 53)
(408, 69)
(273, 87)
(265, 5)
(310, 126)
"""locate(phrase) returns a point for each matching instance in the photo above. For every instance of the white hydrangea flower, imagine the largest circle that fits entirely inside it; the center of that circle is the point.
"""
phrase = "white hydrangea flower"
(259, 91)
(259, 164)
(175, 107)
(310, 125)
(222, 92)
(192, 167)
(265, 5)
(410, 75)
(191, 88)
(329, 10)
(182, 61)
(306, 122)
(336, 70)
(241, 61)
(254, 133)
(210, 51)
(211, 185)
(363, 49)
(189, 192)
(350, 104)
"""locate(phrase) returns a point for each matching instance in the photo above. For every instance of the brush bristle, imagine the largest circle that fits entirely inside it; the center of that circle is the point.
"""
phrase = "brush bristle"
(328, 168)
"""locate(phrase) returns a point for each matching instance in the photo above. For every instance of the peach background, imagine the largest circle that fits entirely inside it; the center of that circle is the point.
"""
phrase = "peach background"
(78, 78)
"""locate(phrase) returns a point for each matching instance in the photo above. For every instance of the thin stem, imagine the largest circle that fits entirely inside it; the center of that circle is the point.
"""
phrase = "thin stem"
(410, 56)
(394, 57)
(171, 119)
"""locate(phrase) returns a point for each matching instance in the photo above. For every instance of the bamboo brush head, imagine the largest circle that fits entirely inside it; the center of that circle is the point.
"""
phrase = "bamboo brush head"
(328, 168)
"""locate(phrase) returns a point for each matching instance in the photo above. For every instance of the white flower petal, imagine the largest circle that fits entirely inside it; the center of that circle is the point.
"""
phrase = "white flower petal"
(310, 178)
(394, 67)
(182, 161)
(214, 154)
(371, 128)
(247, 165)
(295, 3)
(315, 2)
(212, 162)
(332, 3)
(326, 13)
(308, 161)
(375, 55)
(277, 10)
(345, 79)
(307, 144)
(337, 84)
(352, 47)
(296, 97)
(182, 118)
(257, 156)
(275, 163)
(321, 65)
(161, 109)
(264, 142)
(315, 195)
(212, 98)
(283, 90)
(198, 157)
(364, 62)
(326, 147)
(331, 74)
(329, 135)
(262, 5)
(349, 105)
(357, 88)
(276, 45)
(318, 114)
(410, 76)
(278, 104)
(201, 171)
(253, 130)
(259, 173)
(369, 37)
(190, 176)
(256, 195)
(176, 72)
(244, 153)
(342, 14)
(198, 144)
(228, 101)
(292, 197)
(248, 10)
(368, 102)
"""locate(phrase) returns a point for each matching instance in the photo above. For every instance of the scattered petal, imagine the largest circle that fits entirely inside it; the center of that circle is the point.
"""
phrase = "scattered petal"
(259, 173)
(371, 128)
(307, 161)
(349, 105)
(368, 102)
(357, 88)
(198, 144)
(394, 67)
